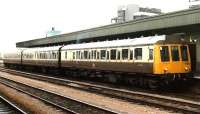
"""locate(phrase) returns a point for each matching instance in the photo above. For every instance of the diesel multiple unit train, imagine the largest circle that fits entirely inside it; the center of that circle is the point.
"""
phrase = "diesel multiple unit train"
(141, 61)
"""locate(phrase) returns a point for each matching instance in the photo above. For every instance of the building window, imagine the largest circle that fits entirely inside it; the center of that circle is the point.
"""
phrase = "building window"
(138, 53)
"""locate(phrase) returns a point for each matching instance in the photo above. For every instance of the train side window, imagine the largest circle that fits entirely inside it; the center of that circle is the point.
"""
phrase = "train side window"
(51, 57)
(66, 55)
(40, 55)
(98, 54)
(89, 55)
(118, 55)
(124, 54)
(45, 55)
(48, 55)
(74, 55)
(108, 55)
(92, 54)
(175, 53)
(77, 54)
(150, 54)
(131, 54)
(85, 54)
(95, 54)
(184, 54)
(138, 53)
(54, 55)
(57, 54)
(113, 53)
(82, 55)
(164, 53)
(36, 55)
(103, 54)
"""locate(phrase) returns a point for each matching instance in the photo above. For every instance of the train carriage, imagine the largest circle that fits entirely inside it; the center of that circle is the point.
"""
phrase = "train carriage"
(152, 56)
(127, 55)
(140, 59)
(12, 57)
(42, 57)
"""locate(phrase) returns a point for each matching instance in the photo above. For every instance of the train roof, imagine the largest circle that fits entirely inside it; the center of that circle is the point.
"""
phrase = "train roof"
(52, 48)
(118, 43)
(13, 51)
(114, 43)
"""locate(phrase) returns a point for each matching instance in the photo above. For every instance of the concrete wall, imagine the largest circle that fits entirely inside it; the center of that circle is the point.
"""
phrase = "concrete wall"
(131, 9)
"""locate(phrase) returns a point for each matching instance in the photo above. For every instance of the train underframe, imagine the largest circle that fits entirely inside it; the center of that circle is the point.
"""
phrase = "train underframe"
(133, 79)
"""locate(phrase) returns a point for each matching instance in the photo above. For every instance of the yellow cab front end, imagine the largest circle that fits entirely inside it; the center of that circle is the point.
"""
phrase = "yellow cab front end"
(172, 61)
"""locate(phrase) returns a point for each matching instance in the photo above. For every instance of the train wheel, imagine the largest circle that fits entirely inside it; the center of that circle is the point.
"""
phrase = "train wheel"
(153, 84)
(132, 81)
(112, 79)
(141, 81)
(43, 70)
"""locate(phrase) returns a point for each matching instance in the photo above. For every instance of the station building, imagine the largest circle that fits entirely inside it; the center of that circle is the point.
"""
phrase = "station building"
(134, 12)
(186, 22)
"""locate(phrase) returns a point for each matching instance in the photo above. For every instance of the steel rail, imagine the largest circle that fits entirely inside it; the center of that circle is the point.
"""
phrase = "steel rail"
(55, 99)
(176, 104)
(13, 105)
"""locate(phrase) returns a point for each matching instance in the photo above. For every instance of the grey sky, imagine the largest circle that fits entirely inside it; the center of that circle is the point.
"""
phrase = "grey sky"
(29, 19)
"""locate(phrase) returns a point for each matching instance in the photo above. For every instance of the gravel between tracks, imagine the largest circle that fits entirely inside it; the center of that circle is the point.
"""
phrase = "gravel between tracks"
(112, 103)
(31, 104)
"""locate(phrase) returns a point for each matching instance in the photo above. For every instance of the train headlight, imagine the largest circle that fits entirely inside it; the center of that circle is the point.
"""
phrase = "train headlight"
(165, 69)
(186, 69)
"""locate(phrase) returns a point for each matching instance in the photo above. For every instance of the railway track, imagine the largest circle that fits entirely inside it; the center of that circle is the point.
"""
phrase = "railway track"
(175, 104)
(8, 107)
(63, 103)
